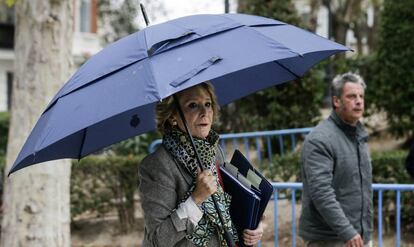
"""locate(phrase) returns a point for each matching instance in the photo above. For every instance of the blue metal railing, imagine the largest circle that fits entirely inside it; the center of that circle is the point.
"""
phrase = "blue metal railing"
(260, 138)
(398, 188)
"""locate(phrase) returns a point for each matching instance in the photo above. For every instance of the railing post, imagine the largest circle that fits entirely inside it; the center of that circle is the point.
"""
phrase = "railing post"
(380, 218)
(269, 149)
(293, 142)
(259, 156)
(281, 148)
(275, 218)
(293, 218)
(223, 146)
(234, 142)
(398, 218)
(246, 147)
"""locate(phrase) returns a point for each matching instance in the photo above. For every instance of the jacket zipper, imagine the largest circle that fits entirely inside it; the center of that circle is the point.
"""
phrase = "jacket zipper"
(362, 189)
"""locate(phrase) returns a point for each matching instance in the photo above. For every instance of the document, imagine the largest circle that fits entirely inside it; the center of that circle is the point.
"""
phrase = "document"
(249, 190)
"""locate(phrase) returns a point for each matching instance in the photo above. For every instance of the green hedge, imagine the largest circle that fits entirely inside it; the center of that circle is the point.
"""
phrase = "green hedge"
(100, 185)
(283, 168)
(103, 184)
(4, 131)
(389, 168)
(2, 163)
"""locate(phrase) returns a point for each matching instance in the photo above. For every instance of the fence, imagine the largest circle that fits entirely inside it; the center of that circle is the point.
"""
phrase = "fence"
(283, 139)
(398, 188)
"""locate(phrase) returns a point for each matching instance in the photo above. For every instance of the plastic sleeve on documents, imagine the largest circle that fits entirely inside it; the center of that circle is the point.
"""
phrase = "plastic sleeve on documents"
(254, 178)
(231, 169)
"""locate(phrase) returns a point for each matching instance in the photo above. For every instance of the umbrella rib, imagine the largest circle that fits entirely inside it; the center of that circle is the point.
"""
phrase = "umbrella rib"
(87, 84)
(82, 143)
(287, 69)
(274, 40)
(151, 75)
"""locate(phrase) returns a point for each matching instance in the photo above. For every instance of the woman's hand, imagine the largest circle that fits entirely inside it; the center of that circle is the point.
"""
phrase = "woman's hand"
(206, 185)
(252, 237)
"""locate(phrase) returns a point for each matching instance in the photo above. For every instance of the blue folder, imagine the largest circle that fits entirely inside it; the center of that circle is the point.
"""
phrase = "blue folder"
(244, 205)
(265, 187)
(250, 192)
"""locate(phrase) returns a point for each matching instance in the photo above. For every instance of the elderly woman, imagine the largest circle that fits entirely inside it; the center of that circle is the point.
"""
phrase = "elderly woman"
(175, 194)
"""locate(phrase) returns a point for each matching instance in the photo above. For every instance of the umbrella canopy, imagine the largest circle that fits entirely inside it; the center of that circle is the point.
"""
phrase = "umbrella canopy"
(113, 95)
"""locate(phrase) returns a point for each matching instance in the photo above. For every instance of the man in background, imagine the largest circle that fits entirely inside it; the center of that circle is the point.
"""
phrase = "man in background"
(337, 173)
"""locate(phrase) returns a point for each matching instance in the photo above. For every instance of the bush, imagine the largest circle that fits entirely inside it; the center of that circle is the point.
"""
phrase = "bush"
(102, 184)
(4, 131)
(394, 84)
(388, 167)
(284, 168)
(2, 164)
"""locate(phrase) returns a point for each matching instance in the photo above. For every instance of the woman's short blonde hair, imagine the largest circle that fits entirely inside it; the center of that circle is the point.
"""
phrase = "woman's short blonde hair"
(167, 107)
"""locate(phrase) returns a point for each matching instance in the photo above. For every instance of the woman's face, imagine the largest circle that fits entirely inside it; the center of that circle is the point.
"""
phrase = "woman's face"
(197, 106)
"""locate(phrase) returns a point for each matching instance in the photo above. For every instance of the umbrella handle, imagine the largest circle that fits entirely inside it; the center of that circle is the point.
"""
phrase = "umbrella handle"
(227, 236)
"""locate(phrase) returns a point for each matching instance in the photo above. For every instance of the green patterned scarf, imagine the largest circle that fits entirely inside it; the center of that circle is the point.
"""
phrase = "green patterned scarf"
(178, 144)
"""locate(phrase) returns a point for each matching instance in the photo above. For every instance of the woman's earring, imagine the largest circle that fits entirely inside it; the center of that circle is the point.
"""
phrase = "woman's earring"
(174, 122)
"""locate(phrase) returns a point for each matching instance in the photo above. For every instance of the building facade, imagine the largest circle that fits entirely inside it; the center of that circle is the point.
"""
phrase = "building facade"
(85, 42)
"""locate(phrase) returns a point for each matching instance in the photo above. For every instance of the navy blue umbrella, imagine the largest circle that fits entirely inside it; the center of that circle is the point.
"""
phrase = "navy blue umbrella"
(113, 95)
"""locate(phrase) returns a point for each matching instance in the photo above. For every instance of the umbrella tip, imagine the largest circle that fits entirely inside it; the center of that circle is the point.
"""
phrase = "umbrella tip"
(10, 172)
(144, 13)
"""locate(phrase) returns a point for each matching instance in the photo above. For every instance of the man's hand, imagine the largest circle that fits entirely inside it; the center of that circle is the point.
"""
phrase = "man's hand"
(356, 241)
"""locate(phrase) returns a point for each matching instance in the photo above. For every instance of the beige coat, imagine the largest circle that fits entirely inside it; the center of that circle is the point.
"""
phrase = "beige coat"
(163, 183)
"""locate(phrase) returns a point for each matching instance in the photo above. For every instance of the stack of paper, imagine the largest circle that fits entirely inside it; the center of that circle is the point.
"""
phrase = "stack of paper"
(250, 192)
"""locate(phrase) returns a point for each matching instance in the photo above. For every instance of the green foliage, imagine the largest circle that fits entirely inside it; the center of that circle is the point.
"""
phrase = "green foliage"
(134, 146)
(118, 18)
(283, 168)
(2, 164)
(280, 10)
(389, 168)
(290, 105)
(4, 131)
(102, 184)
(9, 3)
(395, 82)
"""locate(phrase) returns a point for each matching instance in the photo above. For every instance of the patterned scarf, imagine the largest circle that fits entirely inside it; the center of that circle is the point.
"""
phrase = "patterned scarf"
(178, 144)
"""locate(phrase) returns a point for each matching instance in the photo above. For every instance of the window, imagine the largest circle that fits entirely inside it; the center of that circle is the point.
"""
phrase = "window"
(85, 16)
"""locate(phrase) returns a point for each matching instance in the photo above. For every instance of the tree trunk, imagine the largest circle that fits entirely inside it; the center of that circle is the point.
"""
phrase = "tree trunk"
(36, 210)
(313, 19)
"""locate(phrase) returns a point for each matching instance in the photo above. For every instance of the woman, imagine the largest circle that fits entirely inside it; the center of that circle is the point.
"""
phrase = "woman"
(175, 194)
